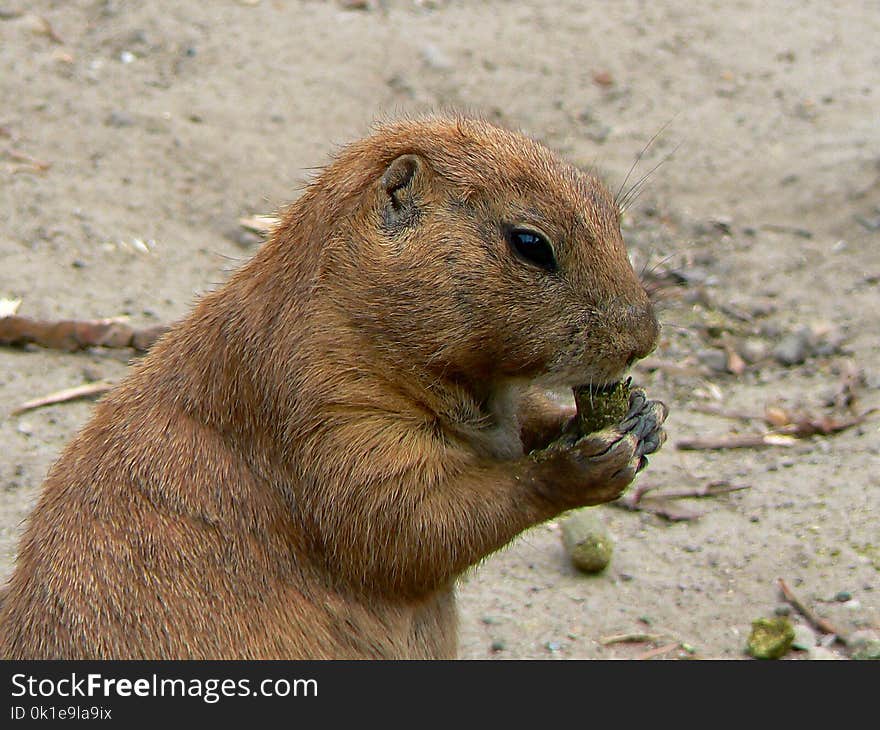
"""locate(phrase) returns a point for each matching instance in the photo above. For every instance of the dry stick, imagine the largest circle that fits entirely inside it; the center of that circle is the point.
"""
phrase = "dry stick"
(651, 653)
(26, 161)
(634, 500)
(817, 621)
(804, 426)
(735, 441)
(90, 390)
(635, 638)
(720, 486)
(50, 32)
(656, 506)
(800, 427)
(72, 335)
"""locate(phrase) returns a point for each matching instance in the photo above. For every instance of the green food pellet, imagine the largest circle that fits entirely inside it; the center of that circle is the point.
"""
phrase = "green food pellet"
(771, 638)
(602, 409)
(586, 540)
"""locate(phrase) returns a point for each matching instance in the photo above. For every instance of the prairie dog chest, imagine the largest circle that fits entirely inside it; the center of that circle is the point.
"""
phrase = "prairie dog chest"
(493, 428)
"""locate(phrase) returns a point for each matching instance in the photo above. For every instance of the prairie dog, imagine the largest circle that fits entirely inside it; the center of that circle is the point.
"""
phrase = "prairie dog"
(303, 466)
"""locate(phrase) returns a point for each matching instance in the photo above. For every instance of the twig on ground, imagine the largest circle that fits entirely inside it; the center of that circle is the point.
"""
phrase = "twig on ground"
(634, 638)
(711, 489)
(658, 503)
(813, 618)
(805, 425)
(72, 335)
(735, 441)
(24, 163)
(788, 428)
(89, 390)
(658, 651)
(671, 512)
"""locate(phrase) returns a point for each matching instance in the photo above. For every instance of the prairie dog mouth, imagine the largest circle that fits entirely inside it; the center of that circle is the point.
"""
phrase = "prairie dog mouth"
(602, 406)
(603, 388)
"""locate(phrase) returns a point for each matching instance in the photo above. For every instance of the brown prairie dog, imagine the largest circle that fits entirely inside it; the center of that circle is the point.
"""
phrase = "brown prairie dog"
(303, 466)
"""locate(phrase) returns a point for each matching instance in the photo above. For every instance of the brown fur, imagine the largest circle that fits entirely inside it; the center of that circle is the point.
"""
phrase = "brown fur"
(303, 466)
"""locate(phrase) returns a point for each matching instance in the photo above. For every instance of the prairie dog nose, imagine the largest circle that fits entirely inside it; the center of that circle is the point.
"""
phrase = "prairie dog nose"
(644, 329)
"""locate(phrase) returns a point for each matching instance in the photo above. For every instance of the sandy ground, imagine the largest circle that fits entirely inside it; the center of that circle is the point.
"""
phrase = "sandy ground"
(133, 136)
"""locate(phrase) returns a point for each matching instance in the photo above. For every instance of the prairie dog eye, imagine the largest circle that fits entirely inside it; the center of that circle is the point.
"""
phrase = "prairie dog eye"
(532, 248)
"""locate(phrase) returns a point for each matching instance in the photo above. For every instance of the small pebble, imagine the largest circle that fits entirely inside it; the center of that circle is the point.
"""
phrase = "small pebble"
(119, 119)
(435, 59)
(843, 596)
(722, 223)
(603, 78)
(499, 645)
(91, 374)
(771, 330)
(793, 349)
(865, 644)
(139, 37)
(753, 350)
(762, 308)
(713, 359)
(829, 343)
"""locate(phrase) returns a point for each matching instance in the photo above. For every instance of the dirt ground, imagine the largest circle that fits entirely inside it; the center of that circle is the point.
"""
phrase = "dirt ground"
(134, 136)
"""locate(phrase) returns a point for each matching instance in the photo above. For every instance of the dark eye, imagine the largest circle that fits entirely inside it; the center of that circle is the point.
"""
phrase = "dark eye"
(532, 248)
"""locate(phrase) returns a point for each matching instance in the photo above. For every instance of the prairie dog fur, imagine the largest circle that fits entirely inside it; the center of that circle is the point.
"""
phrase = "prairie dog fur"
(303, 466)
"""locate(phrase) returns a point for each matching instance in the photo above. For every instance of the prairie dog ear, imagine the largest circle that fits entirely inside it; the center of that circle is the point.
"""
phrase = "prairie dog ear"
(397, 185)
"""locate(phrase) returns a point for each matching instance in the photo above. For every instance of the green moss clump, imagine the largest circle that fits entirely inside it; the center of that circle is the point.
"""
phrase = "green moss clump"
(600, 409)
(771, 638)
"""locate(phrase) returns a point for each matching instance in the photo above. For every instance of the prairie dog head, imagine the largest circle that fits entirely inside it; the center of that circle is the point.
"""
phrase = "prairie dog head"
(476, 251)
